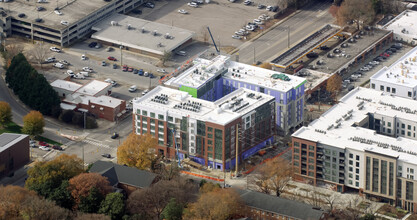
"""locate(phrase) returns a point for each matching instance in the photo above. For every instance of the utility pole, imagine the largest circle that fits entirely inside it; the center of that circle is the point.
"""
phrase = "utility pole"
(237, 148)
(254, 55)
(121, 55)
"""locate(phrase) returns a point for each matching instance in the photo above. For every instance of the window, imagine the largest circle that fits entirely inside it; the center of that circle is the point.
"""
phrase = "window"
(160, 117)
(310, 167)
(296, 163)
(402, 125)
(411, 170)
(393, 90)
(350, 175)
(357, 184)
(357, 164)
(152, 114)
(409, 94)
(400, 168)
(145, 113)
(388, 89)
(160, 123)
(389, 124)
(296, 144)
(357, 157)
(373, 85)
(350, 155)
(409, 127)
(209, 142)
(170, 119)
(357, 170)
(389, 131)
(350, 169)
(402, 132)
(350, 162)
(357, 177)
(381, 88)
(408, 133)
(310, 160)
(138, 111)
(310, 147)
(295, 149)
(310, 154)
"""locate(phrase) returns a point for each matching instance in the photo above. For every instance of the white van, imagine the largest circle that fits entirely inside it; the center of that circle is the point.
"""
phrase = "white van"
(85, 73)
(133, 88)
(59, 65)
(79, 76)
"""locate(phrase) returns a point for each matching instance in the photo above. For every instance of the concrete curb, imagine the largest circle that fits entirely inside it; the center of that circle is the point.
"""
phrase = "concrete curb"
(264, 32)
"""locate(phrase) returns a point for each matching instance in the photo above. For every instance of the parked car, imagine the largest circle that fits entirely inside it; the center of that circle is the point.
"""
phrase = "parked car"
(145, 74)
(109, 49)
(56, 147)
(181, 53)
(106, 155)
(114, 66)
(98, 46)
(261, 6)
(149, 5)
(114, 135)
(145, 91)
(133, 88)
(111, 58)
(124, 68)
(50, 59)
(59, 65)
(92, 44)
(70, 73)
(140, 72)
(64, 62)
(374, 62)
(130, 69)
(103, 63)
(83, 57)
(247, 2)
(40, 8)
(161, 70)
(55, 49)
(364, 69)
(192, 4)
(21, 15)
(151, 76)
(45, 148)
(64, 23)
(87, 69)
(58, 12)
(236, 37)
(182, 11)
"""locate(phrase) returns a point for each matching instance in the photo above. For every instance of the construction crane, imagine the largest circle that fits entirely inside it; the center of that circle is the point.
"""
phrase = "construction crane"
(218, 51)
(176, 148)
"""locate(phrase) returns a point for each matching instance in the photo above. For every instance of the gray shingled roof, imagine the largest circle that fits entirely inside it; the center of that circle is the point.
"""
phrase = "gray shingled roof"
(280, 205)
(122, 174)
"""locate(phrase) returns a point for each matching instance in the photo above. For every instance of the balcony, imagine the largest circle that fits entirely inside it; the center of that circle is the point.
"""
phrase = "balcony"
(320, 152)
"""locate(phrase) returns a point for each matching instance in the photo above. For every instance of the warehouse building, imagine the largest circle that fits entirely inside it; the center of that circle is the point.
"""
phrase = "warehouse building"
(213, 79)
(141, 36)
(207, 132)
(404, 27)
(60, 22)
(366, 142)
(399, 79)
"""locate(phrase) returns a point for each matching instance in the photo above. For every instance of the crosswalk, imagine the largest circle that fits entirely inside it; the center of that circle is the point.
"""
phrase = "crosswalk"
(96, 143)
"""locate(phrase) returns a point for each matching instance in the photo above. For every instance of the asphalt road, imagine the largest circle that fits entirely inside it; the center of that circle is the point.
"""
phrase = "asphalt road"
(275, 42)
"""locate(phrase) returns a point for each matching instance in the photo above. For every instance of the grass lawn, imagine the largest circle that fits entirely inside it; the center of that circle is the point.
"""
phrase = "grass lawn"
(15, 128)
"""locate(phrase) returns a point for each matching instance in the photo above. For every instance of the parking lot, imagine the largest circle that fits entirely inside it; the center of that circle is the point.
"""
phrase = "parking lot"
(229, 17)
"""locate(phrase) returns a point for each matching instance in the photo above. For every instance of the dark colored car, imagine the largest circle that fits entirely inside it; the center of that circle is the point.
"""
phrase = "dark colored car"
(124, 68)
(396, 46)
(151, 75)
(40, 8)
(39, 20)
(140, 72)
(92, 44)
(112, 58)
(312, 55)
(115, 135)
(137, 11)
(56, 147)
(106, 155)
(135, 71)
(149, 5)
(21, 15)
(114, 66)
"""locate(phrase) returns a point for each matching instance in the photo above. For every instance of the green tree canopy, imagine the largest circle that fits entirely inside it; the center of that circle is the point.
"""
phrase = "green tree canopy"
(33, 123)
(91, 203)
(113, 206)
(172, 211)
(5, 114)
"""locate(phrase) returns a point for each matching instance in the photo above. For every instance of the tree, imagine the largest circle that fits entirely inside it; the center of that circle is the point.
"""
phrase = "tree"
(91, 216)
(113, 206)
(173, 210)
(218, 204)
(20, 203)
(13, 50)
(334, 84)
(356, 11)
(151, 202)
(166, 57)
(45, 177)
(5, 114)
(137, 151)
(273, 176)
(33, 123)
(91, 202)
(62, 196)
(166, 172)
(40, 52)
(80, 186)
(209, 187)
(66, 116)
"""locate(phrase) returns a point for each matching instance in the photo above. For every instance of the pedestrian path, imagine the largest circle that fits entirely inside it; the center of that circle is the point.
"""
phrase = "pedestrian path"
(96, 143)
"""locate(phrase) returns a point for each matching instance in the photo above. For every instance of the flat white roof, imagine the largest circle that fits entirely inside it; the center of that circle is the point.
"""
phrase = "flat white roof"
(127, 31)
(335, 127)
(203, 70)
(404, 24)
(67, 85)
(222, 111)
(93, 87)
(106, 101)
(403, 72)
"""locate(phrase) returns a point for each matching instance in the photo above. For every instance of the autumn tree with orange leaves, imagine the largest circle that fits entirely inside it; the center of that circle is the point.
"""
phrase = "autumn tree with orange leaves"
(5, 114)
(33, 123)
(81, 186)
(334, 84)
(216, 204)
(137, 151)
(272, 176)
